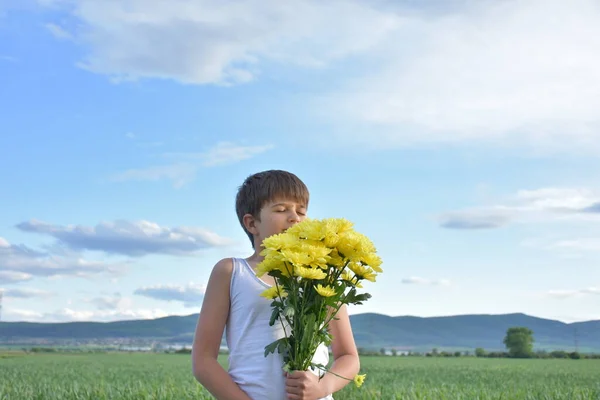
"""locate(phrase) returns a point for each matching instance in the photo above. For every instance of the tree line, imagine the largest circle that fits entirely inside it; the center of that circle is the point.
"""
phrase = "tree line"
(518, 342)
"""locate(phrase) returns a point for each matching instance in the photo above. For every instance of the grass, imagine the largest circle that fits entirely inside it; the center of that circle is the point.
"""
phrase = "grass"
(168, 376)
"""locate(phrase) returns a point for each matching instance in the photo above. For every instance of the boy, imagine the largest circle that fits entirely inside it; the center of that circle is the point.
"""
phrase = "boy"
(267, 203)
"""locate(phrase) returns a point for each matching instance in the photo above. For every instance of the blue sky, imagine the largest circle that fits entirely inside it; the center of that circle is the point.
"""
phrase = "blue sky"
(460, 136)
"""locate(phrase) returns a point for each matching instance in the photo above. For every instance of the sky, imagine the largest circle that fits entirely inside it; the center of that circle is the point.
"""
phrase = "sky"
(460, 136)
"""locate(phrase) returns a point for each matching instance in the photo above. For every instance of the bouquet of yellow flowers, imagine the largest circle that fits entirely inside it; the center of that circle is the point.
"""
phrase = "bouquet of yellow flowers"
(318, 266)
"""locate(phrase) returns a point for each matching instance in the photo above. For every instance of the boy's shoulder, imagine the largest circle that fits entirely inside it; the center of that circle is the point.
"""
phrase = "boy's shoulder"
(224, 263)
(222, 270)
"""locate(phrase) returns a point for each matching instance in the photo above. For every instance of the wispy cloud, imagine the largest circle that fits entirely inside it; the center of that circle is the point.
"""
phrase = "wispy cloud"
(20, 263)
(28, 293)
(475, 219)
(110, 302)
(58, 32)
(8, 59)
(190, 295)
(485, 72)
(184, 166)
(180, 174)
(545, 204)
(586, 244)
(416, 280)
(222, 153)
(73, 315)
(13, 276)
(226, 43)
(594, 208)
(565, 294)
(130, 238)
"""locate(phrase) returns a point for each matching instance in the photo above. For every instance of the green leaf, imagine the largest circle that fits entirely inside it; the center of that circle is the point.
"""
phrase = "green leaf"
(271, 347)
(309, 324)
(276, 273)
(274, 316)
(358, 299)
(276, 303)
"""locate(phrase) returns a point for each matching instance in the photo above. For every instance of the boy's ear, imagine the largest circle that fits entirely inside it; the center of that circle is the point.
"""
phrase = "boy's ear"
(250, 223)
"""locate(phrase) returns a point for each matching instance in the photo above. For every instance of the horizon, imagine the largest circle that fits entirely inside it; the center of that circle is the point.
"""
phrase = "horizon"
(355, 314)
(461, 137)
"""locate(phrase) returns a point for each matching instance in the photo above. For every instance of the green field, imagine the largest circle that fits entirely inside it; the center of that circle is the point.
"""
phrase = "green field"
(168, 376)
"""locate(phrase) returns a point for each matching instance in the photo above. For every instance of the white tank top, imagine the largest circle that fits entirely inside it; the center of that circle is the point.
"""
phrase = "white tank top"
(247, 334)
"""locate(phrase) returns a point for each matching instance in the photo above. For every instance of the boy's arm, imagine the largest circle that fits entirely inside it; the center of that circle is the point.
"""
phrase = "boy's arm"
(346, 361)
(209, 331)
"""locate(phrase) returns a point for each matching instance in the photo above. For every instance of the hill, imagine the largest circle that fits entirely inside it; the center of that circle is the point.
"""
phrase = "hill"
(372, 331)
(471, 331)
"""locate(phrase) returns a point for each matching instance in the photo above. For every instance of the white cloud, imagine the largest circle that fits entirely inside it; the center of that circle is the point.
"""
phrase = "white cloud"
(565, 294)
(559, 199)
(544, 204)
(180, 174)
(586, 244)
(416, 280)
(14, 276)
(14, 314)
(110, 302)
(209, 41)
(223, 153)
(475, 219)
(58, 31)
(510, 72)
(20, 263)
(8, 58)
(191, 295)
(130, 238)
(28, 293)
(183, 170)
(71, 315)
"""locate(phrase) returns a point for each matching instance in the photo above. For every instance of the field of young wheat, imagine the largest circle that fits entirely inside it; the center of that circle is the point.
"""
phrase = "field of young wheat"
(168, 376)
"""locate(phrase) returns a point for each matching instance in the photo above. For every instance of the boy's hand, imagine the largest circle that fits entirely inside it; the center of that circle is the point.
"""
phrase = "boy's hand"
(303, 385)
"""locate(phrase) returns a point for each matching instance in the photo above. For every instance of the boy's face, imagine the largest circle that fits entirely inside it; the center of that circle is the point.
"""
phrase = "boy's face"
(275, 217)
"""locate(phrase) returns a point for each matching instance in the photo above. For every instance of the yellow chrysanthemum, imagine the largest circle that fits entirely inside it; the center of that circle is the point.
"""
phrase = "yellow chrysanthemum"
(347, 276)
(373, 261)
(313, 230)
(318, 253)
(297, 257)
(272, 293)
(347, 244)
(305, 229)
(309, 273)
(336, 260)
(359, 380)
(280, 241)
(339, 225)
(273, 261)
(363, 272)
(265, 266)
(325, 291)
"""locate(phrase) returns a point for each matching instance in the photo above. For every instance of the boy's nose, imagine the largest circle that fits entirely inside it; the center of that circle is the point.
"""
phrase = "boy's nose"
(294, 217)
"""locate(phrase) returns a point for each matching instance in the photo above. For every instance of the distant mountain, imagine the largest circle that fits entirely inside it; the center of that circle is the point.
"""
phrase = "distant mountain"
(371, 331)
(471, 331)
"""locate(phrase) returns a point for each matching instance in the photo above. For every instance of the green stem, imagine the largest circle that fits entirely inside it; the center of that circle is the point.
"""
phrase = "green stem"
(281, 299)
(330, 372)
(293, 300)
(344, 298)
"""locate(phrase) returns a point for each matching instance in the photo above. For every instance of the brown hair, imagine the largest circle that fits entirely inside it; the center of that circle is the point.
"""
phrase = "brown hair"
(265, 186)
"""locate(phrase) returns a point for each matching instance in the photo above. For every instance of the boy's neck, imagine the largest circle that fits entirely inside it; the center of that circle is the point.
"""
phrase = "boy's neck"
(255, 258)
